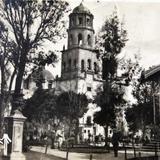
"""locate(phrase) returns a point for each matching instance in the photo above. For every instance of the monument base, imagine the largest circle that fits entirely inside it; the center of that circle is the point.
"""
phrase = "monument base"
(17, 156)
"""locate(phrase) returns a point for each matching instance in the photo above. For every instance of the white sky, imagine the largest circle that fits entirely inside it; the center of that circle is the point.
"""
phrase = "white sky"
(142, 21)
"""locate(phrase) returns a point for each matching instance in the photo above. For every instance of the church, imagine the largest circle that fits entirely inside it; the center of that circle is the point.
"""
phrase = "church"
(81, 70)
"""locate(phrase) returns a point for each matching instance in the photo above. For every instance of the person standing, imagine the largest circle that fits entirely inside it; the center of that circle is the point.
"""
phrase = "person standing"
(115, 142)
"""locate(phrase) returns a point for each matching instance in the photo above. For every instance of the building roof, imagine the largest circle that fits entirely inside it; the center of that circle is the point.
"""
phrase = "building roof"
(47, 75)
(42, 74)
(152, 72)
(81, 9)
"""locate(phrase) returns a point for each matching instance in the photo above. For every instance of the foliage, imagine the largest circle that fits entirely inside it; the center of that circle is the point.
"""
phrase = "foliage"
(72, 105)
(30, 24)
(7, 49)
(141, 113)
(113, 36)
(106, 116)
(105, 119)
(41, 106)
(112, 39)
(44, 108)
(43, 115)
(117, 73)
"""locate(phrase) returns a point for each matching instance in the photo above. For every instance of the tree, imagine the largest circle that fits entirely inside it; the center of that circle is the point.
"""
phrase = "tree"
(30, 24)
(72, 106)
(41, 113)
(7, 50)
(107, 115)
(140, 114)
(41, 106)
(111, 40)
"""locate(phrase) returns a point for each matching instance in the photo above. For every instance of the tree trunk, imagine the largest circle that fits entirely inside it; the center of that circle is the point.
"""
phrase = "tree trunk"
(53, 138)
(52, 142)
(67, 144)
(77, 132)
(19, 79)
(2, 94)
(1, 115)
(106, 136)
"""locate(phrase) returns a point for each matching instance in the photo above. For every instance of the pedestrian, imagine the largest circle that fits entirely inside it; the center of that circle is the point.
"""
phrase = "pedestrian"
(115, 142)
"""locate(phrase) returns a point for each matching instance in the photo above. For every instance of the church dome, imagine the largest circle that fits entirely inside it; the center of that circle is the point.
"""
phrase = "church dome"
(81, 9)
(47, 75)
(42, 74)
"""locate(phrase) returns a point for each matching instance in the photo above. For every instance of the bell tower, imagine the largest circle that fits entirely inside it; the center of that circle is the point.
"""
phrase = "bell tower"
(80, 71)
(80, 32)
(79, 60)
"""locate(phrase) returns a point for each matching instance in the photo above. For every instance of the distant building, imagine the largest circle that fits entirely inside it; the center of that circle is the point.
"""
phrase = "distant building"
(39, 78)
(80, 70)
(153, 75)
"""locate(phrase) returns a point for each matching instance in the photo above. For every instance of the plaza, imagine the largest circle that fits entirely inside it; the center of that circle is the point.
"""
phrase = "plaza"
(86, 100)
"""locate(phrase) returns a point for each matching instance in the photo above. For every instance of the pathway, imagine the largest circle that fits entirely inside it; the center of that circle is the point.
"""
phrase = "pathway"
(79, 156)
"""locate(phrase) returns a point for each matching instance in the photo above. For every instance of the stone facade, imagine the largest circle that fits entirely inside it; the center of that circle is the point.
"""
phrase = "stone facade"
(80, 70)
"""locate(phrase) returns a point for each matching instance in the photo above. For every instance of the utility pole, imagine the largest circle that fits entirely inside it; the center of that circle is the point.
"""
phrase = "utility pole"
(154, 110)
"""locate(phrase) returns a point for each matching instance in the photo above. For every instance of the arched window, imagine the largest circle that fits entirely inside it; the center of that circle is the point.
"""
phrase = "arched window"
(95, 68)
(75, 63)
(80, 20)
(49, 84)
(89, 40)
(88, 21)
(82, 65)
(88, 121)
(69, 63)
(79, 39)
(89, 64)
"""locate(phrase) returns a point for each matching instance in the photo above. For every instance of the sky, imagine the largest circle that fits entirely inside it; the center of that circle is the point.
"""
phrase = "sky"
(142, 22)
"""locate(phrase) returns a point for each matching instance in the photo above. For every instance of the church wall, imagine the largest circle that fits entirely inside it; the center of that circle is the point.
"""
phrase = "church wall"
(84, 76)
(87, 55)
(88, 82)
(70, 71)
(92, 128)
(66, 85)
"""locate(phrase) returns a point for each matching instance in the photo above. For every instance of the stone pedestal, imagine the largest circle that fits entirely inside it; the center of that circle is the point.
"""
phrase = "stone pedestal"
(16, 122)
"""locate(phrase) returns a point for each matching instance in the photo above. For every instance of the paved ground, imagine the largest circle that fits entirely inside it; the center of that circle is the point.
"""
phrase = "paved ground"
(40, 156)
(34, 156)
(85, 156)
(81, 156)
(37, 153)
(37, 156)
